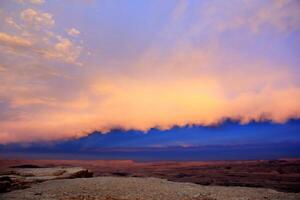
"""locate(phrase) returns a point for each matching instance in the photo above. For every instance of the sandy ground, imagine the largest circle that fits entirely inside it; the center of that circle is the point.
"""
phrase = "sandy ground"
(132, 188)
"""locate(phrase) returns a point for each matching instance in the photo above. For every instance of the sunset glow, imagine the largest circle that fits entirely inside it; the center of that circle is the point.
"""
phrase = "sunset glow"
(69, 69)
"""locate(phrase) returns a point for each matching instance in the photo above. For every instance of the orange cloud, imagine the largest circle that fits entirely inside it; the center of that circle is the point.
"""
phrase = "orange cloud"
(73, 32)
(37, 18)
(199, 76)
(10, 40)
(38, 2)
(35, 28)
(142, 104)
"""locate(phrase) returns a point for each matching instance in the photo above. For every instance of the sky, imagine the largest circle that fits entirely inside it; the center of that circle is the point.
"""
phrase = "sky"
(68, 69)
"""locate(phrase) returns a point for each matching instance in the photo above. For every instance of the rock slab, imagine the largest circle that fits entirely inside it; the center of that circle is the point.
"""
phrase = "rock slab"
(20, 178)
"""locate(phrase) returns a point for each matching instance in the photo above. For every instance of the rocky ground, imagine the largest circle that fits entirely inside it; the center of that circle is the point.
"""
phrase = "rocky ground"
(24, 176)
(127, 180)
(133, 188)
(281, 175)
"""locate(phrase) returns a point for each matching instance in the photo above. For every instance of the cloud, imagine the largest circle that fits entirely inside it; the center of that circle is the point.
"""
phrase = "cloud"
(64, 49)
(37, 19)
(280, 15)
(179, 10)
(38, 39)
(14, 41)
(73, 32)
(10, 21)
(2, 68)
(283, 15)
(38, 2)
(203, 64)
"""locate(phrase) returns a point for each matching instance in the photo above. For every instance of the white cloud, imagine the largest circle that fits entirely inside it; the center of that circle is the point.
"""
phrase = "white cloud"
(73, 32)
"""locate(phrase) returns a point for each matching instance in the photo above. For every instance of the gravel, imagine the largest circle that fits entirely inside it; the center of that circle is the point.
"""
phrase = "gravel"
(132, 188)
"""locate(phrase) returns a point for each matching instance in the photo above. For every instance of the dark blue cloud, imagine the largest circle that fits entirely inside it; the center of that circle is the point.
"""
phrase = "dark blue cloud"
(230, 140)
